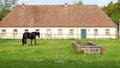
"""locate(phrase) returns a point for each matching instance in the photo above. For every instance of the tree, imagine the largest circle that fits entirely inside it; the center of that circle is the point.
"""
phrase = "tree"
(80, 2)
(77, 2)
(118, 0)
(6, 6)
(113, 11)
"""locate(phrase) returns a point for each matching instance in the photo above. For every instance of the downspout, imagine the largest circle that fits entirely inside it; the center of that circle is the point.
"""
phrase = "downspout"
(119, 28)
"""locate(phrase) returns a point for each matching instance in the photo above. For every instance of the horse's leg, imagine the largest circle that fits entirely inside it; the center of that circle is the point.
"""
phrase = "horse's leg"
(31, 42)
(25, 42)
(35, 41)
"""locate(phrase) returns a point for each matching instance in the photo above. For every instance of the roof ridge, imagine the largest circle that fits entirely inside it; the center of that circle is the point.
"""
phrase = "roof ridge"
(57, 5)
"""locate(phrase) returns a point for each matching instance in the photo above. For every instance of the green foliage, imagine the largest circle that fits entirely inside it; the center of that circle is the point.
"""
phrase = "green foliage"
(56, 54)
(113, 11)
(118, 0)
(6, 6)
(80, 2)
(3, 14)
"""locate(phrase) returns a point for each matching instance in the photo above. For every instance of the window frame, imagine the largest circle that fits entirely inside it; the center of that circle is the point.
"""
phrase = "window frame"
(60, 32)
(15, 32)
(37, 30)
(96, 32)
(26, 30)
(71, 31)
(48, 32)
(3, 32)
(107, 31)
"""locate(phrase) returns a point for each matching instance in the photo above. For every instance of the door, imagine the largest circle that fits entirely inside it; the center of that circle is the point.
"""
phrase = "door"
(83, 33)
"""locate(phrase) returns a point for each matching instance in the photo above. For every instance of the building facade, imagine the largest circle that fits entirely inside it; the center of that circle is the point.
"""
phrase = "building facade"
(58, 22)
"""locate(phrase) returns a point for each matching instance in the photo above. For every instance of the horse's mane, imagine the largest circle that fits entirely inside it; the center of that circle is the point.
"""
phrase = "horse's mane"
(36, 32)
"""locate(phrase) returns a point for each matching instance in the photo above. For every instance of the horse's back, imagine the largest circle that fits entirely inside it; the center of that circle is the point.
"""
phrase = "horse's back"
(31, 35)
(36, 33)
(26, 35)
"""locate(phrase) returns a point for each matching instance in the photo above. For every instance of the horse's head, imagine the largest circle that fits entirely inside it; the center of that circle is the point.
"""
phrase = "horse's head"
(38, 34)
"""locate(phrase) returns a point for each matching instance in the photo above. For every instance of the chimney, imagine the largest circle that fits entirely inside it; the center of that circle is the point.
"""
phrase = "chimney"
(23, 5)
(66, 5)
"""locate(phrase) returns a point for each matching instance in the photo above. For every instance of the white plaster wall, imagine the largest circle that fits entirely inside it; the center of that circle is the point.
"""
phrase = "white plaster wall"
(54, 32)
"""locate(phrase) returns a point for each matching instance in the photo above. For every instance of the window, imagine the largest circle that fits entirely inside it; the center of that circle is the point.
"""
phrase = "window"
(37, 30)
(107, 31)
(48, 31)
(71, 32)
(3, 32)
(26, 30)
(88, 30)
(15, 32)
(60, 32)
(95, 31)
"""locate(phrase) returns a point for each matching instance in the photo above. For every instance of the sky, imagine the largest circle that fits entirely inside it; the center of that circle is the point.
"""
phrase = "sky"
(55, 2)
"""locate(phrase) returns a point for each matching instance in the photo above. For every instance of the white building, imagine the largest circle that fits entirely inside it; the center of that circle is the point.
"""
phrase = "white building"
(58, 21)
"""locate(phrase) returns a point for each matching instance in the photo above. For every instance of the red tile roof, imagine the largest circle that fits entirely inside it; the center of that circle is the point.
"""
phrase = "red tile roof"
(57, 16)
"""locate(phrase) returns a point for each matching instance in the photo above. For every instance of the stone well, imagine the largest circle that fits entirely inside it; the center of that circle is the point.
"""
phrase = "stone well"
(88, 48)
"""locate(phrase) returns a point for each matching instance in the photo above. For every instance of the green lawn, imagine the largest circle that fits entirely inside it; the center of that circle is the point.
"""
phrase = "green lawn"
(56, 54)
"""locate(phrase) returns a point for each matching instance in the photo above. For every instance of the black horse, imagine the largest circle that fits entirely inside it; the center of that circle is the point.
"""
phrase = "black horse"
(31, 36)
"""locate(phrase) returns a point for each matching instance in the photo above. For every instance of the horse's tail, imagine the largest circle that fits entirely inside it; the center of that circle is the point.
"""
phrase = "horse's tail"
(23, 40)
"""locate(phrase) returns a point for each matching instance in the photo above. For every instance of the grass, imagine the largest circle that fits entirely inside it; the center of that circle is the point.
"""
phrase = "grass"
(56, 54)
